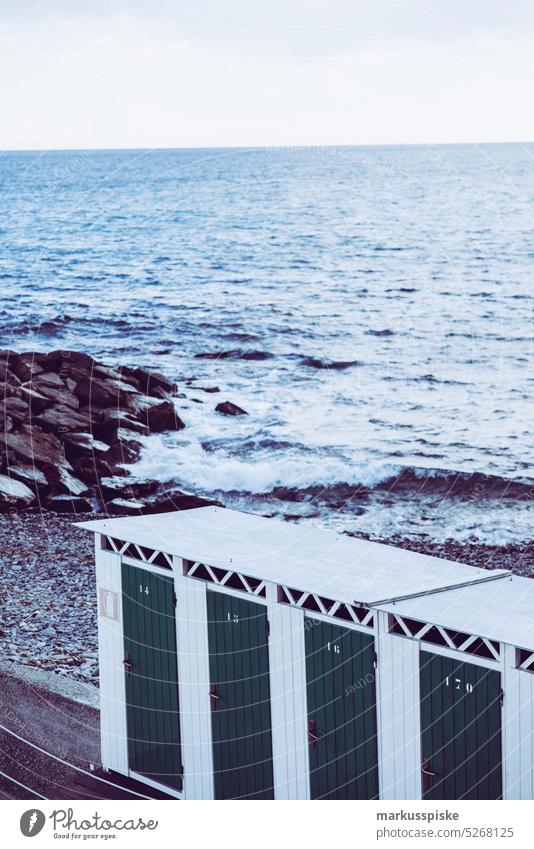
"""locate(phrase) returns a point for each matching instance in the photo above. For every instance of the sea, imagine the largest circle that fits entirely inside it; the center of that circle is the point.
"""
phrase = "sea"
(369, 307)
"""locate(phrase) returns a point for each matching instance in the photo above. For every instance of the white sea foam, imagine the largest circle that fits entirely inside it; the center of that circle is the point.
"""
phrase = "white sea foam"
(190, 465)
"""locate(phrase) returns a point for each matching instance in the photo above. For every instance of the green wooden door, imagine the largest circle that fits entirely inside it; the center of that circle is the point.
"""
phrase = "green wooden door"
(460, 729)
(240, 698)
(152, 711)
(341, 692)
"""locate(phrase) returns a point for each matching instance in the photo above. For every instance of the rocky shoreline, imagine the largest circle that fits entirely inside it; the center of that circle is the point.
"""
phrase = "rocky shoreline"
(48, 596)
(69, 425)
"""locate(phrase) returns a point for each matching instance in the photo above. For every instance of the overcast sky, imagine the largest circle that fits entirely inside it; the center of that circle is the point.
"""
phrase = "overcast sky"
(175, 73)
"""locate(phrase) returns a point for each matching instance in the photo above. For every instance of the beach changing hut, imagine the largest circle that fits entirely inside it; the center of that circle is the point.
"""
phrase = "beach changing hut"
(245, 657)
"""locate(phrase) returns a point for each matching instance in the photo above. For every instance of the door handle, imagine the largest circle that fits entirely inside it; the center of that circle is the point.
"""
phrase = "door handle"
(127, 664)
(313, 735)
(214, 696)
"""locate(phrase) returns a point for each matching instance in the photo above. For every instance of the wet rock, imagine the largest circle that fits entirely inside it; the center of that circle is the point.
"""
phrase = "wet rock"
(26, 368)
(113, 418)
(125, 447)
(69, 504)
(63, 419)
(62, 480)
(32, 443)
(151, 382)
(36, 400)
(49, 379)
(5, 374)
(14, 493)
(227, 408)
(210, 389)
(17, 409)
(56, 395)
(156, 415)
(67, 360)
(91, 468)
(30, 475)
(99, 392)
(124, 507)
(84, 443)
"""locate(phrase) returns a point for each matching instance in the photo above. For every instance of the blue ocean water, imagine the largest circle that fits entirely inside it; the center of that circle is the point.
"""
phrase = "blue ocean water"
(370, 308)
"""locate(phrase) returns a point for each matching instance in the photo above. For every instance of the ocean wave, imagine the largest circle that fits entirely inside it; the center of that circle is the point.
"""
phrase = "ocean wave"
(336, 365)
(234, 355)
(294, 476)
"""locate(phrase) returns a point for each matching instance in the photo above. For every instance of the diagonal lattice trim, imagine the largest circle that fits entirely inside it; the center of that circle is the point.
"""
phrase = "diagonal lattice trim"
(426, 632)
(225, 578)
(138, 552)
(327, 606)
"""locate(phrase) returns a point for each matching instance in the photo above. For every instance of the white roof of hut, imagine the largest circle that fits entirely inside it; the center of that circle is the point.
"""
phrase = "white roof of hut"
(490, 603)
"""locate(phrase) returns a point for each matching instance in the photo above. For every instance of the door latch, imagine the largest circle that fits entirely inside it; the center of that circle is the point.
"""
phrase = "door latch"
(214, 696)
(313, 735)
(127, 664)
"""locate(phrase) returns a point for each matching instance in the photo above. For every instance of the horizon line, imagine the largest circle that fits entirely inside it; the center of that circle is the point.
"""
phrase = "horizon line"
(310, 146)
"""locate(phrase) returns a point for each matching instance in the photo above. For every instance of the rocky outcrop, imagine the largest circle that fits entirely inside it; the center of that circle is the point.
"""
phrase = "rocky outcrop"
(68, 421)
(227, 408)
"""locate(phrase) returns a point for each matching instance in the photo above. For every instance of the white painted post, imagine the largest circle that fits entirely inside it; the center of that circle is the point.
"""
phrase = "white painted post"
(113, 731)
(398, 714)
(287, 675)
(193, 684)
(517, 728)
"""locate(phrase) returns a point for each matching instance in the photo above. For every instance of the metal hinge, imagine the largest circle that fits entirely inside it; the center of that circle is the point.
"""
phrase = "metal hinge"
(174, 600)
(501, 697)
(375, 659)
(267, 628)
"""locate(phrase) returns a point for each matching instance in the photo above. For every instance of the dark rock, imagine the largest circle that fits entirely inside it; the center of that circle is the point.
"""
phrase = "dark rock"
(227, 408)
(48, 378)
(9, 390)
(10, 358)
(210, 389)
(30, 475)
(165, 502)
(6, 375)
(62, 481)
(32, 443)
(55, 395)
(84, 443)
(157, 415)
(37, 402)
(99, 392)
(91, 468)
(113, 418)
(65, 361)
(150, 382)
(105, 372)
(16, 409)
(26, 368)
(124, 507)
(125, 447)
(69, 504)
(62, 419)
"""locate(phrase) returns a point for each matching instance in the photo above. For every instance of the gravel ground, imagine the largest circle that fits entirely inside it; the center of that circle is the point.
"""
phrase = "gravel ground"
(48, 599)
